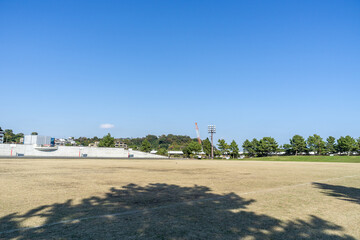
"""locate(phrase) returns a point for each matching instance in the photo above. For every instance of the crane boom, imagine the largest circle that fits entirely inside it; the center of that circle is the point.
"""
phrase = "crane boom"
(197, 132)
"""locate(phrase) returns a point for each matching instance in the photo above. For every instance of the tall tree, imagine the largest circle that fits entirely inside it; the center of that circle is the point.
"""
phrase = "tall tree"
(145, 146)
(34, 133)
(18, 136)
(206, 144)
(9, 136)
(192, 148)
(298, 144)
(288, 148)
(223, 146)
(153, 140)
(330, 145)
(266, 145)
(316, 143)
(347, 144)
(107, 141)
(234, 149)
(250, 147)
(162, 151)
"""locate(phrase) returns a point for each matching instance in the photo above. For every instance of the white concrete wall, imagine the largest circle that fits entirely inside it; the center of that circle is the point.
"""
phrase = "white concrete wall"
(65, 151)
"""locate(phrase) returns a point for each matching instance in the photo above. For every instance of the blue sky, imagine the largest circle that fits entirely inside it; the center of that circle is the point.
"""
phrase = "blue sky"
(253, 68)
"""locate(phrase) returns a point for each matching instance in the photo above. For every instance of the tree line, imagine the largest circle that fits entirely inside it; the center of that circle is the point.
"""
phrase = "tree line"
(268, 146)
(298, 145)
(255, 148)
(168, 142)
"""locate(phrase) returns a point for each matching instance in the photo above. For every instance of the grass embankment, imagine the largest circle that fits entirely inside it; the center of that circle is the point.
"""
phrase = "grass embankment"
(347, 159)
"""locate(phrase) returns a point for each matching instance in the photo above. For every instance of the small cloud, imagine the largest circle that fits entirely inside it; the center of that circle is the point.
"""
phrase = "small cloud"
(107, 125)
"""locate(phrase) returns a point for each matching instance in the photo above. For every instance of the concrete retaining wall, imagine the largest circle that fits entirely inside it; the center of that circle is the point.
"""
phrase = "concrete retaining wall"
(64, 151)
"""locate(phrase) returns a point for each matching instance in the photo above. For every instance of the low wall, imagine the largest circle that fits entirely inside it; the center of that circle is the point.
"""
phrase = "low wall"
(65, 151)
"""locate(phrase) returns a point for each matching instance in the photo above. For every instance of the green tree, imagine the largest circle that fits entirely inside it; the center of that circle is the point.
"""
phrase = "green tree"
(347, 144)
(316, 143)
(174, 147)
(107, 141)
(187, 152)
(266, 146)
(217, 152)
(250, 147)
(288, 148)
(34, 133)
(18, 136)
(297, 144)
(9, 136)
(223, 146)
(145, 146)
(162, 151)
(206, 144)
(234, 149)
(330, 145)
(195, 147)
(191, 149)
(153, 140)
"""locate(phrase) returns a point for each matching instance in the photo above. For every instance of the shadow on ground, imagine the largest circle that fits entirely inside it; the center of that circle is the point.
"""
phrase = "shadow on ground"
(350, 194)
(161, 211)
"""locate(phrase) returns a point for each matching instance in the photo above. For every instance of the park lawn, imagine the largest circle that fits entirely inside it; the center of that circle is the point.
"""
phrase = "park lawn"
(73, 199)
(345, 159)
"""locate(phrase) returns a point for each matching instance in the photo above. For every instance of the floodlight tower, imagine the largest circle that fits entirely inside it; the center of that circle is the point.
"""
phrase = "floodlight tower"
(212, 130)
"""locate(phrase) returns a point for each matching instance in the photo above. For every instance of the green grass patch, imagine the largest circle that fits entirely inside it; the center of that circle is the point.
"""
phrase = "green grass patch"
(347, 159)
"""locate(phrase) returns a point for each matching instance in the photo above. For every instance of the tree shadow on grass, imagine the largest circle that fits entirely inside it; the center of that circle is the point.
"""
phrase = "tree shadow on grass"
(350, 194)
(162, 211)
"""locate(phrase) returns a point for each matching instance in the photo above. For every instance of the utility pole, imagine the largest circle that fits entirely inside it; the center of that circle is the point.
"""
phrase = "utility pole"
(212, 130)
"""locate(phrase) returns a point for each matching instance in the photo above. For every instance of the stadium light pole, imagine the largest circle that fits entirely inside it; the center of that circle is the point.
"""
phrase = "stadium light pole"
(212, 130)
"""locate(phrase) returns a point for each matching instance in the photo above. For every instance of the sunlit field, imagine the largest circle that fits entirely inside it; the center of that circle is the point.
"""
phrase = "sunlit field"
(178, 199)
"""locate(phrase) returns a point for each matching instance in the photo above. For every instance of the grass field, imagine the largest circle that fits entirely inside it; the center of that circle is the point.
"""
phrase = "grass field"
(348, 159)
(178, 199)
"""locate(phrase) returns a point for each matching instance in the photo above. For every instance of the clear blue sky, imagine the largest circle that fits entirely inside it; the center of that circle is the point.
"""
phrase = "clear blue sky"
(253, 68)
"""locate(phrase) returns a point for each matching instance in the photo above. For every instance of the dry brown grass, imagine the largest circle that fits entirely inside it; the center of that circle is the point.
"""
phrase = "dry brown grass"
(178, 199)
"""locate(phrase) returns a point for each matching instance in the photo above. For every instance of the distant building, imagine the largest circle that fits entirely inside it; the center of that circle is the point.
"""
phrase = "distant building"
(65, 141)
(95, 144)
(120, 144)
(175, 153)
(1, 135)
(60, 141)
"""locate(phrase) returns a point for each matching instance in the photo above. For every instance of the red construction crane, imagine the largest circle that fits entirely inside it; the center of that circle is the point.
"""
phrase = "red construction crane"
(198, 133)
